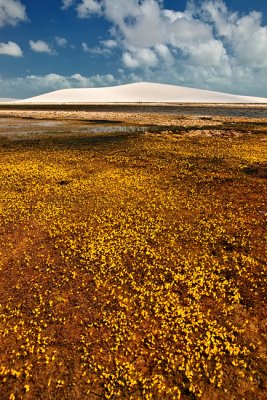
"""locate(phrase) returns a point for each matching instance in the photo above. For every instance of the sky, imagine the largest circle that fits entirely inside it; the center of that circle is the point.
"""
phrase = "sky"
(47, 45)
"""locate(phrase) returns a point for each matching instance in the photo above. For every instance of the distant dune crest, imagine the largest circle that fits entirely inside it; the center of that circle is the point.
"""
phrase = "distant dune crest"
(142, 92)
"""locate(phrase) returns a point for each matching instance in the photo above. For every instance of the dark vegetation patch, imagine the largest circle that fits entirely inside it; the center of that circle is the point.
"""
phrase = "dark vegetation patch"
(64, 182)
(238, 127)
(258, 170)
(101, 121)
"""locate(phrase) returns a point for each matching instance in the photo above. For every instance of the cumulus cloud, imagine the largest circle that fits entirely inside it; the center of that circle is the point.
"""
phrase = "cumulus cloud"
(92, 50)
(164, 54)
(88, 7)
(85, 47)
(145, 27)
(10, 49)
(129, 61)
(32, 85)
(142, 57)
(205, 32)
(110, 44)
(210, 53)
(147, 31)
(12, 12)
(41, 47)
(67, 4)
(103, 50)
(244, 35)
(61, 41)
(205, 45)
(93, 81)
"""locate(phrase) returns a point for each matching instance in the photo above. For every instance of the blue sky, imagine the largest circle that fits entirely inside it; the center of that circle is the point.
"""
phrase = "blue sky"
(47, 45)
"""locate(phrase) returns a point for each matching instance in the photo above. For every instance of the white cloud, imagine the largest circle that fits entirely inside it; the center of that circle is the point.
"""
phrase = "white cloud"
(216, 12)
(32, 85)
(144, 29)
(47, 82)
(61, 41)
(210, 53)
(67, 4)
(85, 47)
(129, 61)
(92, 50)
(105, 50)
(77, 80)
(88, 7)
(10, 49)
(188, 33)
(145, 58)
(12, 12)
(110, 44)
(147, 27)
(41, 47)
(164, 53)
(249, 41)
(173, 15)
(205, 32)
(244, 35)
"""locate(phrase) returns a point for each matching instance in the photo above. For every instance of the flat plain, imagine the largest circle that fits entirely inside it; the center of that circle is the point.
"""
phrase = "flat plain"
(133, 253)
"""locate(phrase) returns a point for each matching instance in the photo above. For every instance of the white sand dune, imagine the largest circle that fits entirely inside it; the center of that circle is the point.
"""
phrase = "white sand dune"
(141, 92)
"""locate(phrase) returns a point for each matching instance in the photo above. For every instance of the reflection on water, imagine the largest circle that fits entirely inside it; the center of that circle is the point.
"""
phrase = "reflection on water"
(22, 127)
(48, 123)
(114, 128)
(22, 123)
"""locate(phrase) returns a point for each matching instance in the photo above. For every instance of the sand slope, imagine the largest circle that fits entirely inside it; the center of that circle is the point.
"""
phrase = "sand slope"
(141, 92)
